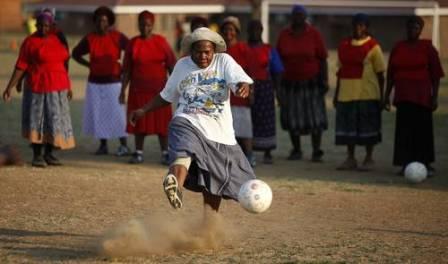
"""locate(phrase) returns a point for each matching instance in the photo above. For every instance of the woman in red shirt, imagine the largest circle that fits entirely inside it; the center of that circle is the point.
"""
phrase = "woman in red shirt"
(304, 84)
(104, 117)
(148, 60)
(242, 121)
(46, 118)
(414, 72)
(265, 68)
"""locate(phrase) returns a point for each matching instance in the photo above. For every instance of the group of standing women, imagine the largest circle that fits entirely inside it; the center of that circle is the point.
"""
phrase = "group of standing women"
(295, 72)
(46, 121)
(299, 62)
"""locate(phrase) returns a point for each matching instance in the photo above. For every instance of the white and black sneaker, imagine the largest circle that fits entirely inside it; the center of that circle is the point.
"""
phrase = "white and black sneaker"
(172, 191)
(136, 158)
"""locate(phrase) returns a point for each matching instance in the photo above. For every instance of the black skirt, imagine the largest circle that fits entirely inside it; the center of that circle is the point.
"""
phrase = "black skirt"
(358, 123)
(414, 137)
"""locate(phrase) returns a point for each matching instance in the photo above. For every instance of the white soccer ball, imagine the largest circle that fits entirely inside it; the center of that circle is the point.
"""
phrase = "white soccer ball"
(415, 172)
(255, 196)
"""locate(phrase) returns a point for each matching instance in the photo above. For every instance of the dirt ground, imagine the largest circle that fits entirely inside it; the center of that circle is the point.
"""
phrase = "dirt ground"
(72, 213)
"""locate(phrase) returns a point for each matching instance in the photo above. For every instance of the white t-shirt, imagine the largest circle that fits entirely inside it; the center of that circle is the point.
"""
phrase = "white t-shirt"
(203, 95)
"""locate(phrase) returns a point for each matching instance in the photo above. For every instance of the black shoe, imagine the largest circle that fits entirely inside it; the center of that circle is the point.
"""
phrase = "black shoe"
(102, 150)
(165, 158)
(52, 160)
(295, 155)
(38, 162)
(431, 171)
(267, 159)
(317, 156)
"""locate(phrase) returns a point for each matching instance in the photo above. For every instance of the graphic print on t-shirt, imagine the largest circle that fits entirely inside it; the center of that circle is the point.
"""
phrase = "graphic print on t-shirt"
(204, 93)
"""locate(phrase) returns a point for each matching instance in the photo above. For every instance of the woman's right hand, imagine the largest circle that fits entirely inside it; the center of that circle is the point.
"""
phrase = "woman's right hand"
(386, 104)
(136, 115)
(7, 95)
(335, 102)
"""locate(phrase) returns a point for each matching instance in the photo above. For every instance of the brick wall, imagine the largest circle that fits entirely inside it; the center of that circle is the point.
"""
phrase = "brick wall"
(10, 16)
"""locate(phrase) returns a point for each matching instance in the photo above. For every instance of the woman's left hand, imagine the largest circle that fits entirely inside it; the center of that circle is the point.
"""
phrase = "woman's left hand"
(435, 104)
(243, 90)
(69, 95)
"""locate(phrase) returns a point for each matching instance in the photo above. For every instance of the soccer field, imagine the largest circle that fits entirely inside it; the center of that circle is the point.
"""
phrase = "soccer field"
(318, 214)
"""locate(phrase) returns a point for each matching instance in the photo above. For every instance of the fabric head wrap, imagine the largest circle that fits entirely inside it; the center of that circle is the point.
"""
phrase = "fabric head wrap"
(361, 18)
(299, 9)
(146, 15)
(232, 20)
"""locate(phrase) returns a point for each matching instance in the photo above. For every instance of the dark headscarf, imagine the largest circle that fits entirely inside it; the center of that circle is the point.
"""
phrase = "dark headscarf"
(417, 20)
(44, 16)
(299, 9)
(361, 18)
(104, 11)
(197, 20)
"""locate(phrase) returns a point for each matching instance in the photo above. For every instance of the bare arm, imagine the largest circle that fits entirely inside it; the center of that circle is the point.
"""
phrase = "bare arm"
(15, 77)
(389, 88)
(380, 77)
(336, 93)
(79, 51)
(435, 93)
(152, 105)
(124, 84)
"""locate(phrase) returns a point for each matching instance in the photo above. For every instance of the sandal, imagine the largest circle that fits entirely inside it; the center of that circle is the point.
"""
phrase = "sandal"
(348, 164)
(171, 189)
(367, 165)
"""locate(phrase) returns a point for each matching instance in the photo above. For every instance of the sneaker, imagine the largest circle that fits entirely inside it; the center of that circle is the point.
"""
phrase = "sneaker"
(102, 150)
(165, 159)
(38, 162)
(295, 155)
(252, 160)
(52, 160)
(122, 151)
(136, 158)
(172, 191)
(317, 156)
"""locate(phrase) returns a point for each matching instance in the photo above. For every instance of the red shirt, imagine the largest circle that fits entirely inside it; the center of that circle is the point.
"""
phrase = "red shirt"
(301, 54)
(258, 68)
(149, 60)
(352, 58)
(240, 53)
(105, 53)
(43, 58)
(412, 67)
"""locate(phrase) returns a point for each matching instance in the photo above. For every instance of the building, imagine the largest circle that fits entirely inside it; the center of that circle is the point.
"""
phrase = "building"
(332, 17)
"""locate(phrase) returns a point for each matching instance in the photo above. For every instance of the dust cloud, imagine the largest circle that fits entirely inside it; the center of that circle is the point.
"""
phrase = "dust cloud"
(167, 233)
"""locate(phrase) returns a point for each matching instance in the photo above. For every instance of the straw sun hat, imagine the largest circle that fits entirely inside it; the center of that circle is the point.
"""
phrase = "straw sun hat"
(203, 33)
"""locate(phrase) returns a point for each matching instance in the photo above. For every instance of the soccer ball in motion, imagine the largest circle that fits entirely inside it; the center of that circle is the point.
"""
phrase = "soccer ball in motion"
(415, 172)
(255, 196)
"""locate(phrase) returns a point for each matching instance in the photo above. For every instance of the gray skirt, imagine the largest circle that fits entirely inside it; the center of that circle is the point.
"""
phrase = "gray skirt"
(302, 107)
(216, 168)
(46, 119)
